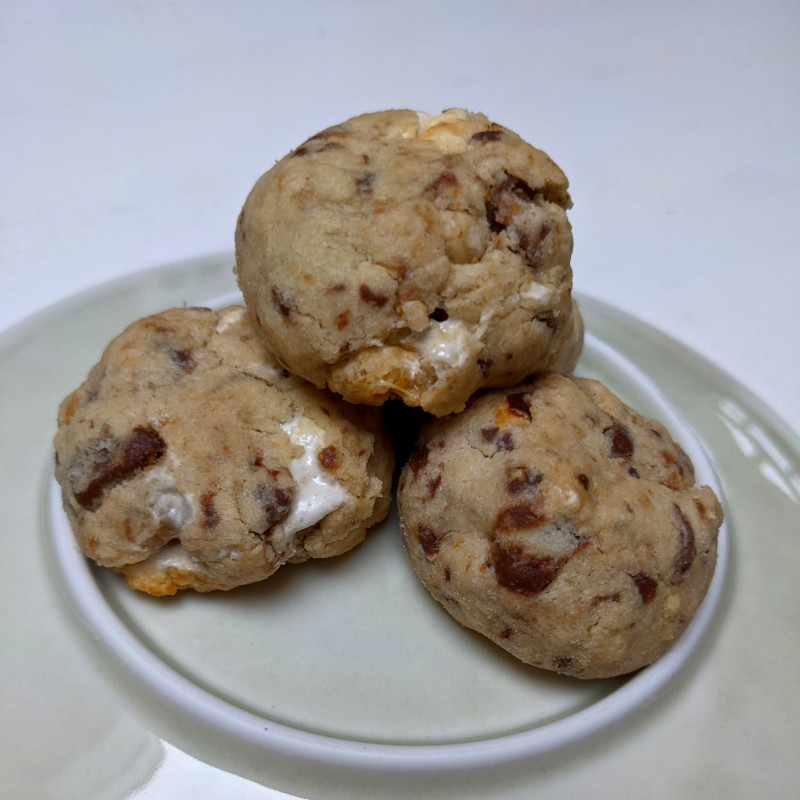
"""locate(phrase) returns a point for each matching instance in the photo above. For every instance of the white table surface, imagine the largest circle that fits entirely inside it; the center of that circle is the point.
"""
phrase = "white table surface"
(131, 132)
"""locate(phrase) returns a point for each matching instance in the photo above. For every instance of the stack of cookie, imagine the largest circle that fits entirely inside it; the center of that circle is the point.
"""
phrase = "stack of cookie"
(397, 259)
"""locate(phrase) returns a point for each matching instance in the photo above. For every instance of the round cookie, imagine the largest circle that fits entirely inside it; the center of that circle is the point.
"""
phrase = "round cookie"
(560, 524)
(190, 459)
(411, 256)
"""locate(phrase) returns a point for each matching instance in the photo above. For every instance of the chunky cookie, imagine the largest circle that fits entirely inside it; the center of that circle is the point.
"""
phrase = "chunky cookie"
(190, 459)
(560, 524)
(413, 256)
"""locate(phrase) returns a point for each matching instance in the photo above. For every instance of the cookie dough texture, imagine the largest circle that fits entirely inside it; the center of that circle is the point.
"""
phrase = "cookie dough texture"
(560, 524)
(406, 255)
(190, 459)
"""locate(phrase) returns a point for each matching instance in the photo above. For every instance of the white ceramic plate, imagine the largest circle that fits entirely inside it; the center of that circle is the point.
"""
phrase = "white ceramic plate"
(342, 678)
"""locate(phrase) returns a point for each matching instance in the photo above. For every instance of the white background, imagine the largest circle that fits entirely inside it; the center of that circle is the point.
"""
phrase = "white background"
(131, 132)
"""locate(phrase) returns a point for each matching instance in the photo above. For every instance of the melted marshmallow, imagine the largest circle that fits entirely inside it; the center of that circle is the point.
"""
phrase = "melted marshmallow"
(317, 492)
(228, 318)
(446, 345)
(168, 505)
(172, 508)
(445, 139)
(537, 292)
(172, 556)
(427, 121)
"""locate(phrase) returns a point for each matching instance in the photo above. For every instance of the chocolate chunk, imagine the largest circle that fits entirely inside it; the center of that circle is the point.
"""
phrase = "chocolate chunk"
(489, 434)
(599, 599)
(445, 182)
(342, 320)
(506, 442)
(583, 480)
(210, 516)
(519, 479)
(532, 247)
(519, 404)
(428, 540)
(112, 461)
(486, 136)
(182, 358)
(502, 199)
(368, 296)
(621, 441)
(364, 184)
(646, 585)
(329, 458)
(438, 314)
(688, 549)
(280, 302)
(433, 486)
(522, 573)
(523, 516)
(276, 502)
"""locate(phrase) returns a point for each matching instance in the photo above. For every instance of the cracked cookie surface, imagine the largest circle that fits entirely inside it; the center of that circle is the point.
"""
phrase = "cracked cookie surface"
(404, 255)
(190, 459)
(561, 524)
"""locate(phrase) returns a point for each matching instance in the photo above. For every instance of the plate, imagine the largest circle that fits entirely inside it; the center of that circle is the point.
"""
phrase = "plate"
(347, 661)
(342, 678)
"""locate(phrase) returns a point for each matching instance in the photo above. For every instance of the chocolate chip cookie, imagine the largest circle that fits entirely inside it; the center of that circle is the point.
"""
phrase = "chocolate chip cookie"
(412, 256)
(560, 524)
(190, 459)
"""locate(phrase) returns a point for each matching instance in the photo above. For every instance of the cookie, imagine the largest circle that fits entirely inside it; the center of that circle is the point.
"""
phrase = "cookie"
(412, 256)
(190, 459)
(561, 524)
